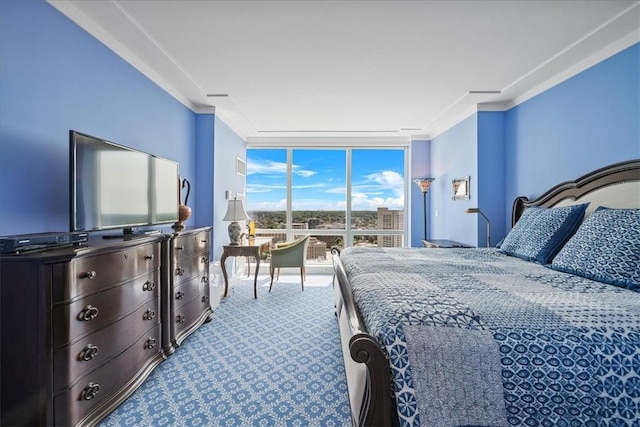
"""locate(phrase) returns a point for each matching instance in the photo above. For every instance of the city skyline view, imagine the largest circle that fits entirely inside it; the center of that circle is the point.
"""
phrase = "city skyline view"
(319, 179)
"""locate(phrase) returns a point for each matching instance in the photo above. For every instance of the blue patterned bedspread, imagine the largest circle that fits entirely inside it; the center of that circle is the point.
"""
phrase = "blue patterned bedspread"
(478, 338)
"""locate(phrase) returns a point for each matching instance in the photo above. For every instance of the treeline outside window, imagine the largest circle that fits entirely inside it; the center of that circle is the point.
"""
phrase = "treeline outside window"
(341, 196)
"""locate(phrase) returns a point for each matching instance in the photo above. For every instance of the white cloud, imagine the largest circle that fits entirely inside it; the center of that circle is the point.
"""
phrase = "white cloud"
(278, 205)
(270, 167)
(381, 189)
(303, 173)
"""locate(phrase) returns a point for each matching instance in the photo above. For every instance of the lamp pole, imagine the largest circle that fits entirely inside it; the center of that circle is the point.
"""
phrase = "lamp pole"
(423, 184)
(488, 228)
(478, 211)
(424, 212)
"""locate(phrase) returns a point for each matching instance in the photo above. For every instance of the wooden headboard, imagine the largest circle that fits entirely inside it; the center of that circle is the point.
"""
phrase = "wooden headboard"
(614, 186)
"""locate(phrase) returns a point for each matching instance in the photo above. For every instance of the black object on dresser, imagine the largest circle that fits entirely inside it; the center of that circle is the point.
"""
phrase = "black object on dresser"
(81, 329)
(186, 285)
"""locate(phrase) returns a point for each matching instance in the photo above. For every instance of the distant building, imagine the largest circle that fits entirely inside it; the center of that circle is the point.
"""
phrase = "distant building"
(390, 220)
(328, 240)
(314, 223)
(316, 249)
(275, 234)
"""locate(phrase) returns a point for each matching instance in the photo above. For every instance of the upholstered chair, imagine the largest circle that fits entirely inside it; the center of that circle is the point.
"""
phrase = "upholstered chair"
(289, 254)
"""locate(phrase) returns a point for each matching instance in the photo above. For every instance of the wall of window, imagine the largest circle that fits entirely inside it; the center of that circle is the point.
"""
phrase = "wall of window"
(342, 196)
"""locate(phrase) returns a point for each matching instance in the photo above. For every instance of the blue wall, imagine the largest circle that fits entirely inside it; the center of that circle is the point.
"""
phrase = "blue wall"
(205, 131)
(491, 177)
(228, 147)
(586, 122)
(55, 77)
(454, 155)
(582, 124)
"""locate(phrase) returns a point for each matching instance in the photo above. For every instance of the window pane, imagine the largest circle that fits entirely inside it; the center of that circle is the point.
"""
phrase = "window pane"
(267, 187)
(377, 195)
(318, 194)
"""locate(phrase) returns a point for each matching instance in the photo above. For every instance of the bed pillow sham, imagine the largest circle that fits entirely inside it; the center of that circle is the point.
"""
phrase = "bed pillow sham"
(605, 248)
(541, 232)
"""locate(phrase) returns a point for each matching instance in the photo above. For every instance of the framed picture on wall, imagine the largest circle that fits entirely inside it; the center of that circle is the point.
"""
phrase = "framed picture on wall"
(461, 188)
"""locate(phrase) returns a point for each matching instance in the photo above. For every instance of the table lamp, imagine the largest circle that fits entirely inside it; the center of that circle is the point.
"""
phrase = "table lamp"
(235, 213)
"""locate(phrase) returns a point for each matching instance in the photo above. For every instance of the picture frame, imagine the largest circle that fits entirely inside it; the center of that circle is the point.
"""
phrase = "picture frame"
(461, 188)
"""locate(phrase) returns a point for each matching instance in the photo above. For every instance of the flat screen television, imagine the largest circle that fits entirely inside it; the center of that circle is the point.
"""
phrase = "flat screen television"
(116, 187)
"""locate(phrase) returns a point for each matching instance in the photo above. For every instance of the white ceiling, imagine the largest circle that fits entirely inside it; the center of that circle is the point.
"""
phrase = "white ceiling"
(302, 70)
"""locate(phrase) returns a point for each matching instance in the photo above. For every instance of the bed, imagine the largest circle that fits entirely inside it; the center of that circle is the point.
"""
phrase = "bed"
(540, 331)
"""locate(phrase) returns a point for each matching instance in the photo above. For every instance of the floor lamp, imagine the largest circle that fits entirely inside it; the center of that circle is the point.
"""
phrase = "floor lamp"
(424, 184)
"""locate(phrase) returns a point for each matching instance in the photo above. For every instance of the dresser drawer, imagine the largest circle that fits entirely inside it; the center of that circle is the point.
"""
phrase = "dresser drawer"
(187, 291)
(189, 244)
(94, 350)
(89, 314)
(186, 268)
(91, 274)
(72, 405)
(185, 315)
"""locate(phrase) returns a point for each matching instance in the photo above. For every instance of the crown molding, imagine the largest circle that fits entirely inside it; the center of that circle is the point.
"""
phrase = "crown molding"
(447, 121)
(420, 138)
(617, 47)
(399, 141)
(625, 25)
(69, 10)
(224, 119)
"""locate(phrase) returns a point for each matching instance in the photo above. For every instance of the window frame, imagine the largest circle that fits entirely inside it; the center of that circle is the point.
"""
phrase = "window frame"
(347, 233)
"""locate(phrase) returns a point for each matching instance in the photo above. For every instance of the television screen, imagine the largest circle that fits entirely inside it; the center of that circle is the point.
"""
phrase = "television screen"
(113, 186)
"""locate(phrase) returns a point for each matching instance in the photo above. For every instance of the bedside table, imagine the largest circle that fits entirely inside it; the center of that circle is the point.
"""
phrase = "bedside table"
(442, 243)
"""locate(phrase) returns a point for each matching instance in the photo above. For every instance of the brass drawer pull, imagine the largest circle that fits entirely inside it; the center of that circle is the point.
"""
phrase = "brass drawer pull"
(205, 279)
(89, 275)
(179, 295)
(90, 391)
(180, 318)
(149, 286)
(89, 313)
(179, 248)
(180, 271)
(149, 314)
(149, 257)
(151, 343)
(205, 259)
(88, 353)
(205, 299)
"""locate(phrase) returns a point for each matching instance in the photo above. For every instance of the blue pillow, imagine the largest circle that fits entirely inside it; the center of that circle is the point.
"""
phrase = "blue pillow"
(605, 248)
(541, 232)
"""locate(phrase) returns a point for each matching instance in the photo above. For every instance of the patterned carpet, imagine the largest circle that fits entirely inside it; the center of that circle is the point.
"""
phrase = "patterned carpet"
(274, 361)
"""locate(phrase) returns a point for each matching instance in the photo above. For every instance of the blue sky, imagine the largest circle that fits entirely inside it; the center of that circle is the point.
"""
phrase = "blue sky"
(319, 179)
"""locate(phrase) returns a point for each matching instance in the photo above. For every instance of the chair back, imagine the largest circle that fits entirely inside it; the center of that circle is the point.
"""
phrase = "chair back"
(291, 254)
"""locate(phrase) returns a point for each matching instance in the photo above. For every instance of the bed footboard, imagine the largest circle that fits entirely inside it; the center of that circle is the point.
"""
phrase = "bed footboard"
(366, 364)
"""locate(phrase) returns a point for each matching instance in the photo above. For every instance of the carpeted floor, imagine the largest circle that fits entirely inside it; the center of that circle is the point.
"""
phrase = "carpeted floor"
(274, 361)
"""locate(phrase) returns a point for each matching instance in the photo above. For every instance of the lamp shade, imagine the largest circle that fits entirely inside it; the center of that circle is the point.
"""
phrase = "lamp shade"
(235, 211)
(423, 183)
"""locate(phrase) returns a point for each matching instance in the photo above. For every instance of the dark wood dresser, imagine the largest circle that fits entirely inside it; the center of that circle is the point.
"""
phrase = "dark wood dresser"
(186, 269)
(81, 329)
